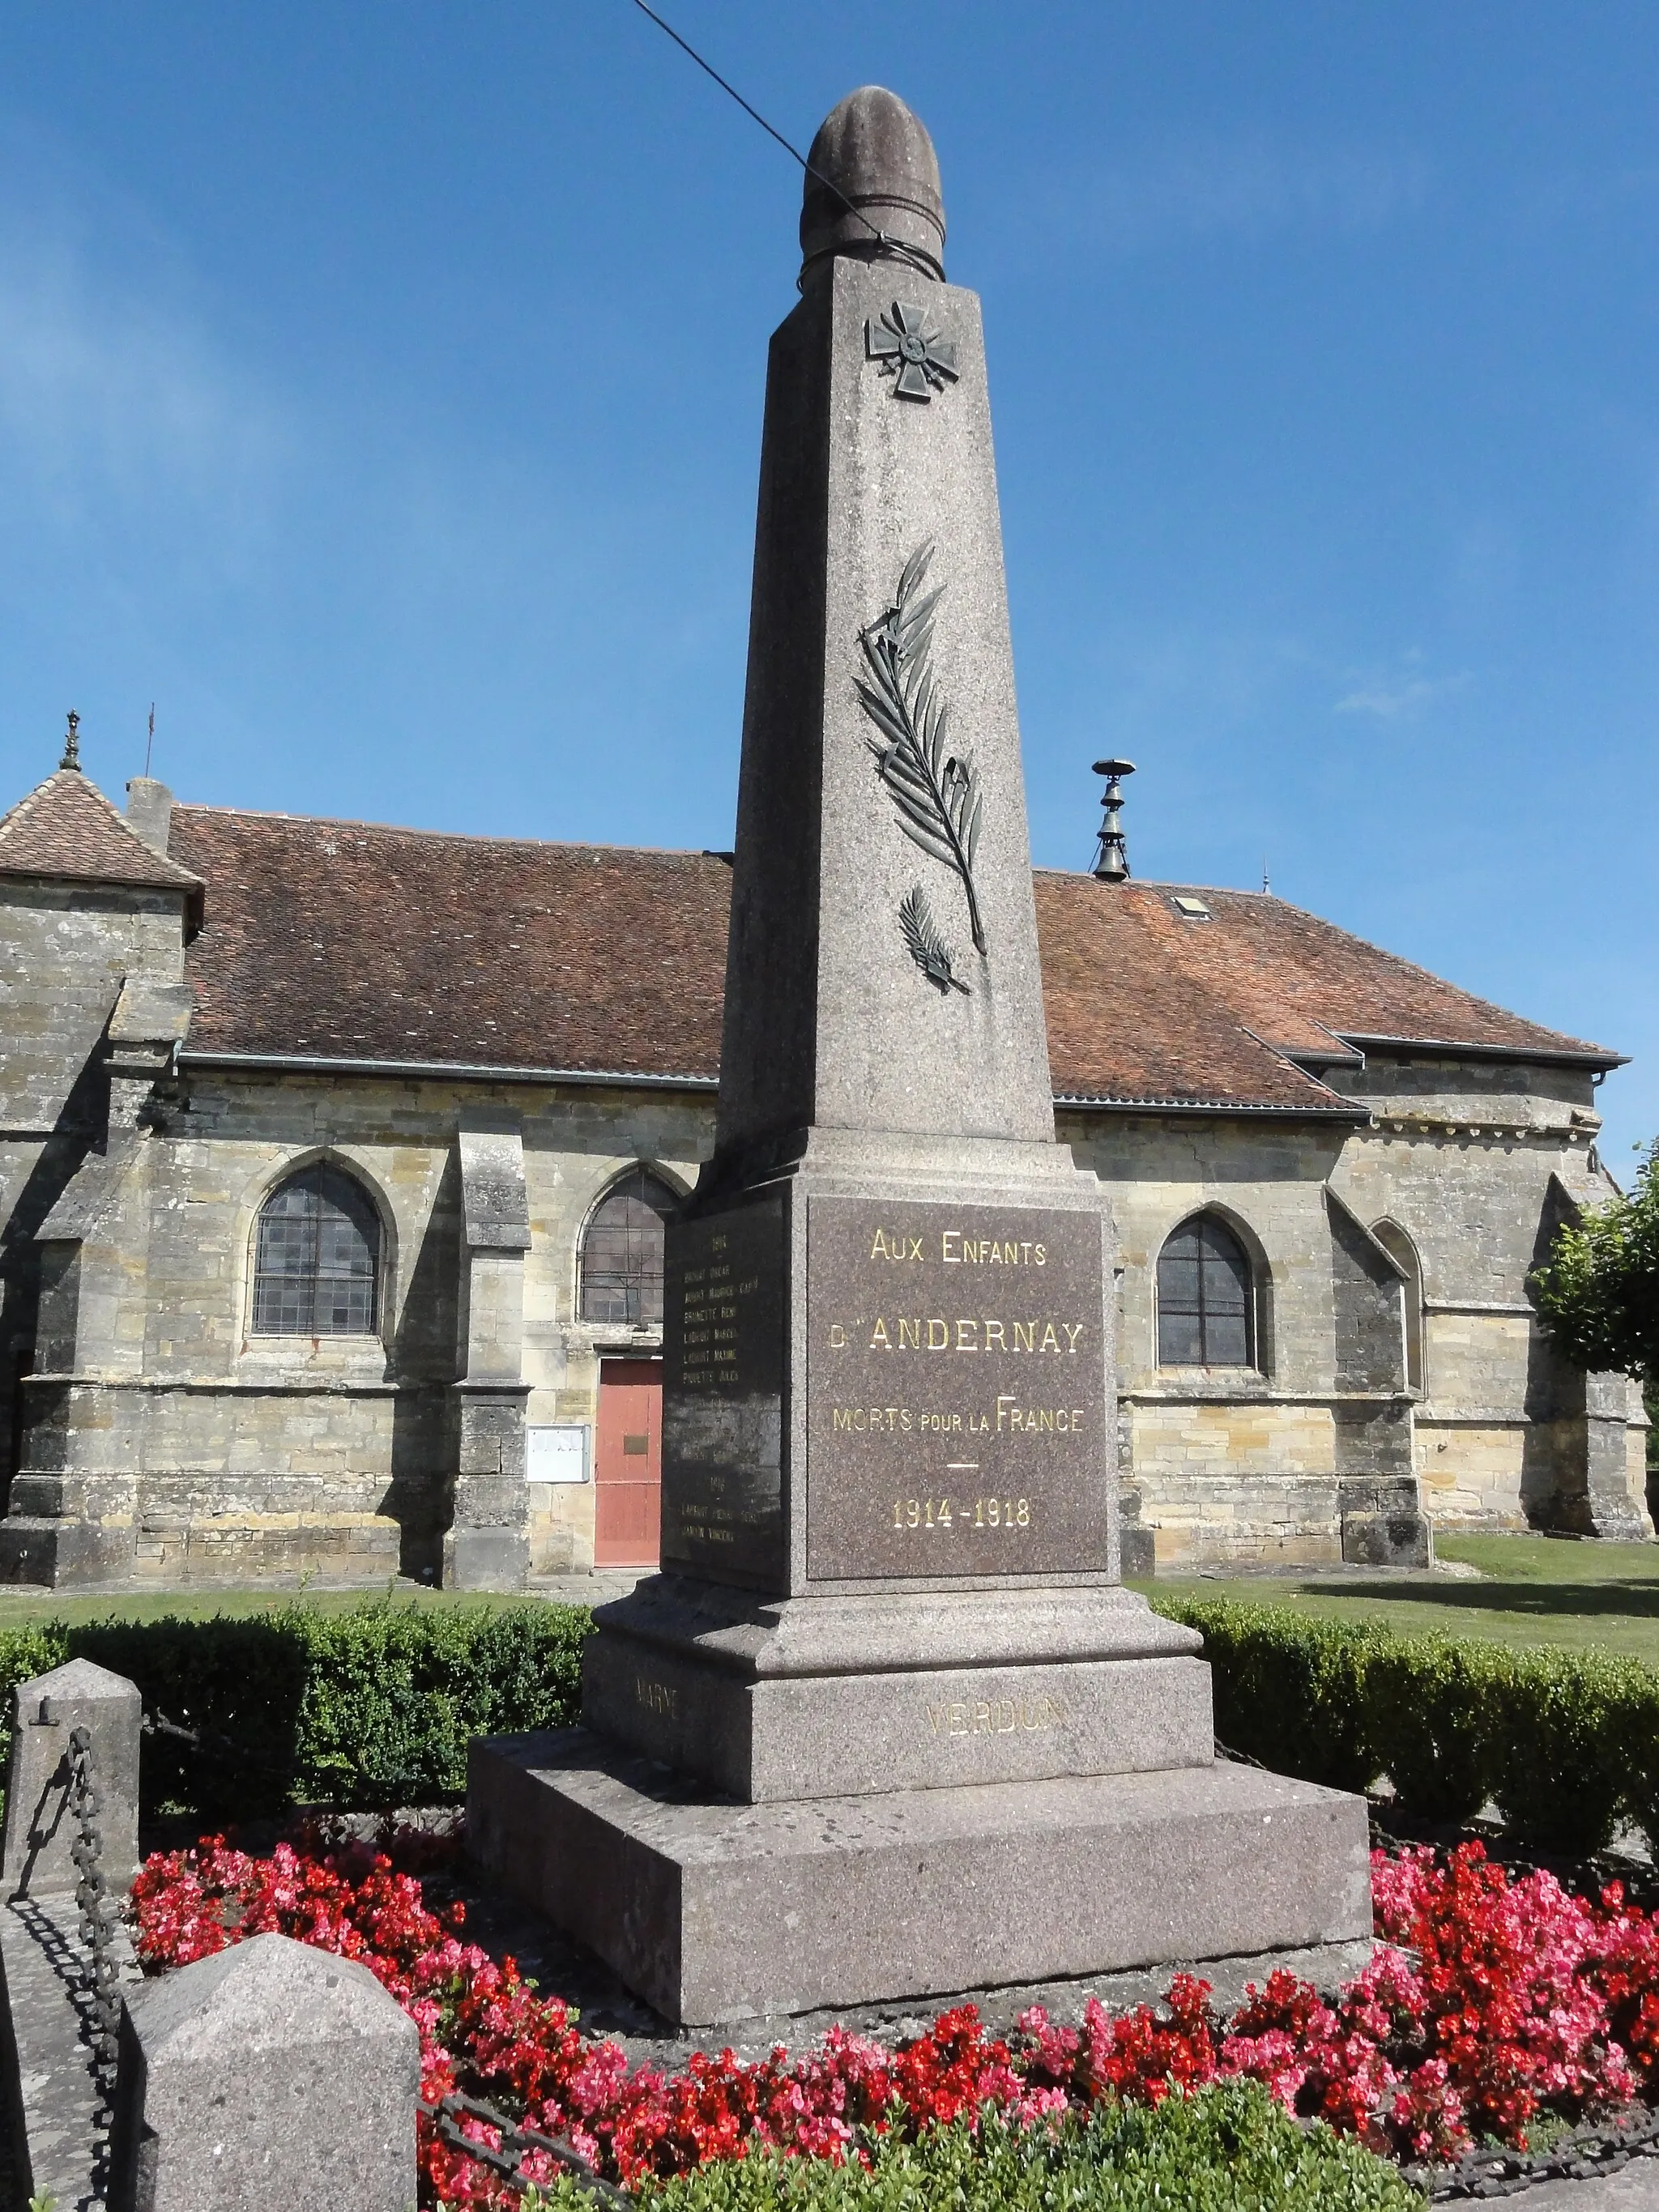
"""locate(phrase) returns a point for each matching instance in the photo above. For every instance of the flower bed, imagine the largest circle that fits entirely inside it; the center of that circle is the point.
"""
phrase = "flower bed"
(1496, 2005)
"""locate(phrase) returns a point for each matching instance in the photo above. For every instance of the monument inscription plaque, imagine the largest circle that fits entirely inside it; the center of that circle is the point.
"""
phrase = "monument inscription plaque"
(723, 1319)
(958, 1419)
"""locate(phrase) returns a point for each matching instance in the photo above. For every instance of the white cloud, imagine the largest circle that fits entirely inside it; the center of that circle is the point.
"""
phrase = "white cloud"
(1401, 697)
(1248, 188)
(127, 428)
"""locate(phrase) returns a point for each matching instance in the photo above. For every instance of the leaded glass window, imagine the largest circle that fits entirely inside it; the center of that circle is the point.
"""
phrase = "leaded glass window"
(316, 1263)
(622, 1252)
(1206, 1308)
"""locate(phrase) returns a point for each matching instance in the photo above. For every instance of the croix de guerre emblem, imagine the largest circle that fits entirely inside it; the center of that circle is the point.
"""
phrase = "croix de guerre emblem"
(922, 360)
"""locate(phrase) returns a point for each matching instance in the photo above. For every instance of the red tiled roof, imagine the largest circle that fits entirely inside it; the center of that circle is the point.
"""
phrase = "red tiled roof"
(343, 940)
(1144, 1002)
(67, 828)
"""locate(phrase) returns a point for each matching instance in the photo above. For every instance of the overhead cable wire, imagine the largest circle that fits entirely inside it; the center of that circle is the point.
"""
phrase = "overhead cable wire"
(893, 245)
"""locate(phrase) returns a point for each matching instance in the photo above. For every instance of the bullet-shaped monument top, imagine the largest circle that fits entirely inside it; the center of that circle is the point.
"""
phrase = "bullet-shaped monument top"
(882, 973)
(873, 174)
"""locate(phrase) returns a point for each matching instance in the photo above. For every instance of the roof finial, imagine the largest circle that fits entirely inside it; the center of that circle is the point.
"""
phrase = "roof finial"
(1112, 854)
(72, 743)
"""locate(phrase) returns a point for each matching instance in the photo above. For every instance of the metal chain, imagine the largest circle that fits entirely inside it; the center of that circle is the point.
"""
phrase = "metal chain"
(99, 1911)
(211, 1745)
(1595, 2146)
(517, 2142)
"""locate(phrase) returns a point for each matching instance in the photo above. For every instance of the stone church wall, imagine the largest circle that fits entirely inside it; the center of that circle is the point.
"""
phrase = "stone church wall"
(170, 1440)
(254, 1454)
(1244, 1463)
(1478, 1163)
(576, 1145)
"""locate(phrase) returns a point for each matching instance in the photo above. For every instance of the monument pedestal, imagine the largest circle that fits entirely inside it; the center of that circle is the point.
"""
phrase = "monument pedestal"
(793, 1698)
(716, 1912)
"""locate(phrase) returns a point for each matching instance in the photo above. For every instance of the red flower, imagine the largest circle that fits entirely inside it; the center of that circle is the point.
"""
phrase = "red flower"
(1492, 2001)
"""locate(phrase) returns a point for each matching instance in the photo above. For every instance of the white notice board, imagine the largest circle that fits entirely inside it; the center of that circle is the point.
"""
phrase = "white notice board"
(556, 1455)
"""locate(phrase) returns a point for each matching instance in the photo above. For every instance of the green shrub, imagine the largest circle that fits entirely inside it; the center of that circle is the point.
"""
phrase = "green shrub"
(239, 1683)
(1435, 1723)
(1230, 2148)
(1564, 1741)
(1289, 1689)
(1559, 1748)
(1641, 1748)
(368, 1708)
(388, 1712)
(25, 1653)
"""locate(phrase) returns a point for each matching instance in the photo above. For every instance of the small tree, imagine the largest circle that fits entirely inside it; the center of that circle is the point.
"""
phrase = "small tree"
(1598, 1292)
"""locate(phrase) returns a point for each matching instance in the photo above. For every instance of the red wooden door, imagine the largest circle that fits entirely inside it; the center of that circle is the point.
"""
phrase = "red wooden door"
(628, 1464)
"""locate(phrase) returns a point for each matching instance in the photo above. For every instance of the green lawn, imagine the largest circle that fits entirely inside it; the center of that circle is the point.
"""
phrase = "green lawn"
(1532, 1590)
(16, 1611)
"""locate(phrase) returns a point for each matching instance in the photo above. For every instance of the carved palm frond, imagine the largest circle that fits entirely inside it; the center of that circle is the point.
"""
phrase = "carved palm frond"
(935, 790)
(927, 948)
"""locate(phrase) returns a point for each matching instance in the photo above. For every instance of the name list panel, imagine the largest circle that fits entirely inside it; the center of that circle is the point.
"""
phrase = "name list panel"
(723, 1320)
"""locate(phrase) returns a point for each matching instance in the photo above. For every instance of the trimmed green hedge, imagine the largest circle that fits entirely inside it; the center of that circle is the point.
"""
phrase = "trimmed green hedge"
(1565, 1743)
(372, 1708)
(368, 1708)
(1230, 2148)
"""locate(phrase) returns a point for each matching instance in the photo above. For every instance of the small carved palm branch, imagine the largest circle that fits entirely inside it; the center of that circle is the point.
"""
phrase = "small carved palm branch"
(935, 790)
(927, 948)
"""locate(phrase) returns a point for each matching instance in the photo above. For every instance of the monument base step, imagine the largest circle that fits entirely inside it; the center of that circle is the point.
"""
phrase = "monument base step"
(714, 1911)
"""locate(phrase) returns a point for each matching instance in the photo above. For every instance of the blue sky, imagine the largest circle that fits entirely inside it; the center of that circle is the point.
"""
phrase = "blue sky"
(381, 391)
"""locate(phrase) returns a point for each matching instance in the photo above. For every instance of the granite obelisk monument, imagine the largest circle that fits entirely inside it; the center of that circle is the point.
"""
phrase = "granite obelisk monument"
(887, 1723)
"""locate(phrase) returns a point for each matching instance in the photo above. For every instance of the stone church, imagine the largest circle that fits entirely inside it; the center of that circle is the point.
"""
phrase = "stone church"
(334, 1159)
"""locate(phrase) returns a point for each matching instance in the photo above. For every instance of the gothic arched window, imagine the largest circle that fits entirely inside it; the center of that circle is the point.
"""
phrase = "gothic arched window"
(317, 1257)
(1206, 1301)
(622, 1251)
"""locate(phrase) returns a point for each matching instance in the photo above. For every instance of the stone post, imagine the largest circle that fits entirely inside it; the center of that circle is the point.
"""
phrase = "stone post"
(272, 2077)
(55, 2011)
(486, 1548)
(40, 1830)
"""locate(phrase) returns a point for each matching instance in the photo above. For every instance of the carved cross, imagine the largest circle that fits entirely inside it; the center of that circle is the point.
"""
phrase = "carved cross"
(920, 360)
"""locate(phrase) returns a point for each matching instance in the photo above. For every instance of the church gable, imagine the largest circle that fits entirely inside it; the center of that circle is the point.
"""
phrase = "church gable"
(66, 830)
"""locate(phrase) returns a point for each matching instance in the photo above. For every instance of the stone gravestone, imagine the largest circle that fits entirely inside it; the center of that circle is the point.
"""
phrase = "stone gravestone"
(273, 2077)
(920, 1738)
